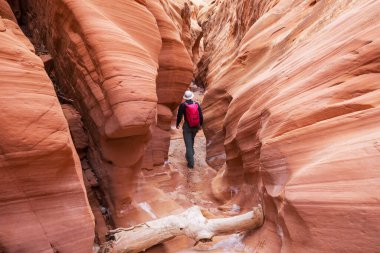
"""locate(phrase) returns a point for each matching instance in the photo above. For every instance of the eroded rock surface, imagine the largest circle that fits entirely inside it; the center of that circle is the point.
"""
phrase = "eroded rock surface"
(43, 203)
(78, 134)
(125, 66)
(291, 118)
(174, 76)
(292, 107)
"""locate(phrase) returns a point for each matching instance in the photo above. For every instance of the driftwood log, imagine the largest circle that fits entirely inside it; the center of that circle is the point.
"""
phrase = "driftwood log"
(191, 223)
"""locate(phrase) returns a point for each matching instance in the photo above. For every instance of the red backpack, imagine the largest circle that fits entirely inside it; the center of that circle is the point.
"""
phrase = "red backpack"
(192, 114)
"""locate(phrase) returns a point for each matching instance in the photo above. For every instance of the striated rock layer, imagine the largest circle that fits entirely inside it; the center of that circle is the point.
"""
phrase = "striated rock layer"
(174, 76)
(291, 117)
(43, 203)
(126, 67)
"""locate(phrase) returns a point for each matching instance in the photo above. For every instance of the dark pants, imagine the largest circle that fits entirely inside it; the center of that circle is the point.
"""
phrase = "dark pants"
(189, 134)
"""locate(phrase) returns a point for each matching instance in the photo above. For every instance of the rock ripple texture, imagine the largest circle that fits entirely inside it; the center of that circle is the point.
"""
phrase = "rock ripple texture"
(292, 119)
(43, 203)
(125, 65)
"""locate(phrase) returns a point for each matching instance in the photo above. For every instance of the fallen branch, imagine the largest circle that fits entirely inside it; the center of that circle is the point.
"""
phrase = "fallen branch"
(191, 223)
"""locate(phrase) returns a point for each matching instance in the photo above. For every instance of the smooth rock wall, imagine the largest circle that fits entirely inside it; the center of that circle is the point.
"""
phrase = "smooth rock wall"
(43, 203)
(291, 117)
(117, 62)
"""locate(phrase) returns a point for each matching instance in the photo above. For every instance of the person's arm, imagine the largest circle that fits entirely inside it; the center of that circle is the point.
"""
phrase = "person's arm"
(200, 115)
(180, 114)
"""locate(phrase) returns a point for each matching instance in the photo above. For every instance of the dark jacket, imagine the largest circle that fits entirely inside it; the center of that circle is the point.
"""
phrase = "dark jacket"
(182, 111)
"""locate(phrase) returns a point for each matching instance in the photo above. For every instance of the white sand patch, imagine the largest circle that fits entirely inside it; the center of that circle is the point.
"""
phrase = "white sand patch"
(147, 208)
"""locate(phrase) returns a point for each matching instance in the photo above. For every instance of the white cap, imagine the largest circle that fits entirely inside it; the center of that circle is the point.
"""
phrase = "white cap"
(188, 95)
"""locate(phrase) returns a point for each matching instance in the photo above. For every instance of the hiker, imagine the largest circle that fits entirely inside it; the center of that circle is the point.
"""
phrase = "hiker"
(193, 122)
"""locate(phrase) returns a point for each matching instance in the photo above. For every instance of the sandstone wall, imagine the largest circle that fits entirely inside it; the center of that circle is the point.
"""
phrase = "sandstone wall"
(125, 66)
(292, 107)
(43, 204)
(174, 75)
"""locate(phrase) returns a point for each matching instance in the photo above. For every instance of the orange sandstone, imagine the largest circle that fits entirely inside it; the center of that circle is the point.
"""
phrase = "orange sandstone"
(291, 116)
(43, 203)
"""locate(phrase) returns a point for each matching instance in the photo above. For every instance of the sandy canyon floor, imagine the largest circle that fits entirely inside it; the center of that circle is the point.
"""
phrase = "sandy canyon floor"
(175, 188)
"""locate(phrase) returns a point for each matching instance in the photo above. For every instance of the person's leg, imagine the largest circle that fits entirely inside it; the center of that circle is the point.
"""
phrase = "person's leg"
(194, 132)
(188, 138)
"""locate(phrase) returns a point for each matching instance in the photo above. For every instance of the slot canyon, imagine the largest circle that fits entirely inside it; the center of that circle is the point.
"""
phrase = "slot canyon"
(290, 94)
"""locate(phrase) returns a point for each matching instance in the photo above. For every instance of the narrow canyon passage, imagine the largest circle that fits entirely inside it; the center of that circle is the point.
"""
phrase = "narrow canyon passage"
(163, 189)
(290, 94)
